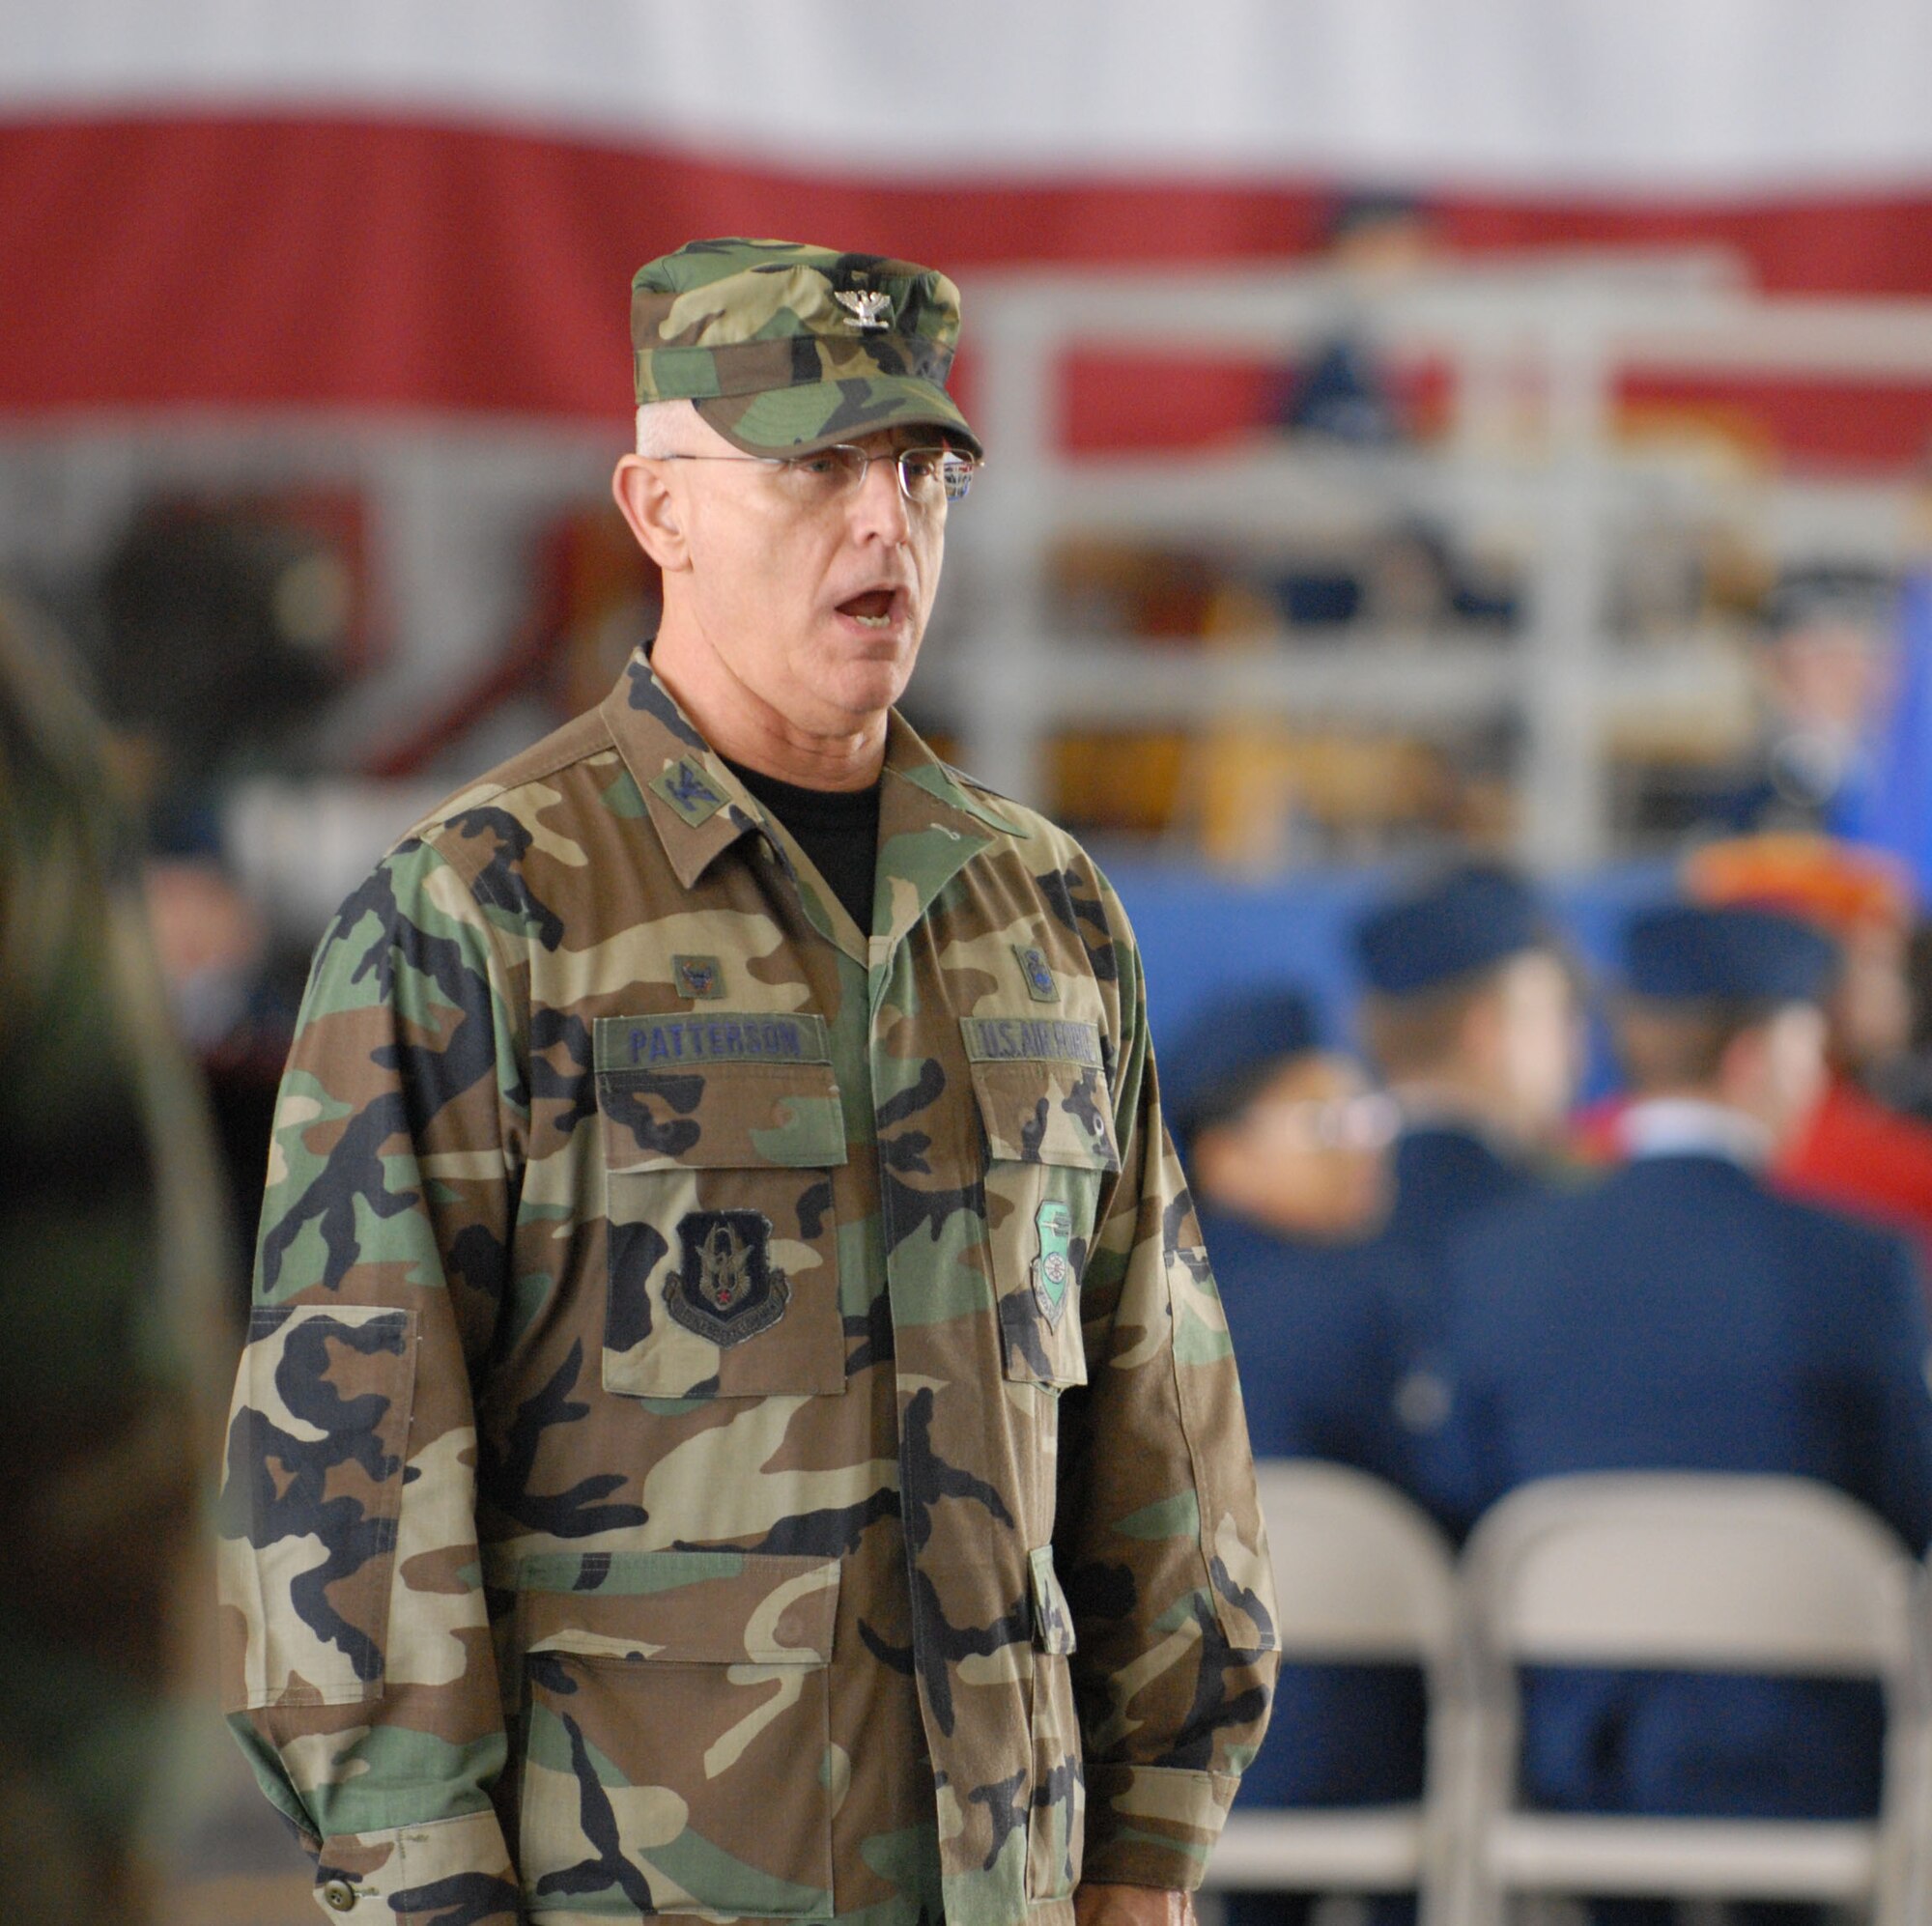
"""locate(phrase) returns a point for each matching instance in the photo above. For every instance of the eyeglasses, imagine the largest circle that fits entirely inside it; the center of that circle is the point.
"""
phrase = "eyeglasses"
(930, 478)
(1369, 1121)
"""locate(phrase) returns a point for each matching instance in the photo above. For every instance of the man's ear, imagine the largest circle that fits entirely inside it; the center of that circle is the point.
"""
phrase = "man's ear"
(1744, 1068)
(1479, 1035)
(653, 512)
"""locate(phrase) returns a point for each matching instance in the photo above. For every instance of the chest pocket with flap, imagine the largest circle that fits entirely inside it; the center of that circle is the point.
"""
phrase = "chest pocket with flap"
(720, 1135)
(1046, 1110)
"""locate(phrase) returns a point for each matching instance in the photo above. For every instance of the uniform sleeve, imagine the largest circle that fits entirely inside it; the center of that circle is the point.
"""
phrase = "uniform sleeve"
(1159, 1530)
(356, 1668)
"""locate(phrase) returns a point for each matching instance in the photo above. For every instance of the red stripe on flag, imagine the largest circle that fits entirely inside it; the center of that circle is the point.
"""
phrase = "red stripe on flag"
(335, 261)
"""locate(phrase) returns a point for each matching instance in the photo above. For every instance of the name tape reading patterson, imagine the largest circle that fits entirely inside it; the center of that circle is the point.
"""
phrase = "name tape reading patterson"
(721, 1036)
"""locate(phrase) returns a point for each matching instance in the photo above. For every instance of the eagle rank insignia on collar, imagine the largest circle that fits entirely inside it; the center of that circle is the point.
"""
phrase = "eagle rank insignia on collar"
(869, 307)
(725, 1288)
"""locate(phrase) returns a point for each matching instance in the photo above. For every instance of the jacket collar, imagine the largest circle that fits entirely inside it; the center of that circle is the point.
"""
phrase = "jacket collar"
(1691, 1127)
(930, 825)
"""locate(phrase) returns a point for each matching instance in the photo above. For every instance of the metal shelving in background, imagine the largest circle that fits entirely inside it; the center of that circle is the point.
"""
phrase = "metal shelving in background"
(1535, 353)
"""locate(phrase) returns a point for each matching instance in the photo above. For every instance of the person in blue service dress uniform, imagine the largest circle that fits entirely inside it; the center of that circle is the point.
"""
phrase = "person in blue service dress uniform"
(1681, 1317)
(1471, 1011)
(1286, 1147)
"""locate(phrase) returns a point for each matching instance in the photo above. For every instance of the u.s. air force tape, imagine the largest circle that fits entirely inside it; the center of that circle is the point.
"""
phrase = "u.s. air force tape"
(717, 1036)
(1057, 1039)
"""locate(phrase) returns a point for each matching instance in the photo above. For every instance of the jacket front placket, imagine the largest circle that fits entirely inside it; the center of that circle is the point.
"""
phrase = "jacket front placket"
(961, 1444)
(895, 1029)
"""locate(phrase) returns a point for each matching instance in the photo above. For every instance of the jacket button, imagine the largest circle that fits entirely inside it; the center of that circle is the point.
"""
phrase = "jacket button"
(338, 1895)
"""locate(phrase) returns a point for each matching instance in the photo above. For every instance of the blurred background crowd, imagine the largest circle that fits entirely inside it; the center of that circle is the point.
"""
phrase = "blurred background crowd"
(1456, 544)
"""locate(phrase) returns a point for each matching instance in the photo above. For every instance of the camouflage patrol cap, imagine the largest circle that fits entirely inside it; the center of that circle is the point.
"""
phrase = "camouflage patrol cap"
(785, 348)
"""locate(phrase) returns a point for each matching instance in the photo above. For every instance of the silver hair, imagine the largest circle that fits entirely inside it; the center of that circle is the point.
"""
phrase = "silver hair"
(660, 428)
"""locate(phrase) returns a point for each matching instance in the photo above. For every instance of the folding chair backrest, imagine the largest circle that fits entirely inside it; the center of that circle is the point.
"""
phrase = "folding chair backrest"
(1360, 1573)
(1689, 1571)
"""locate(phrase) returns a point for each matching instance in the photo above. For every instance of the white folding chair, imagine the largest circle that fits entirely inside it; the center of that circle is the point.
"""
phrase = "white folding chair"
(1695, 1572)
(1361, 1576)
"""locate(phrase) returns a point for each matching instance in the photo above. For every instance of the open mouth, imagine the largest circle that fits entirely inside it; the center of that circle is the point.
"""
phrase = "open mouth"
(873, 609)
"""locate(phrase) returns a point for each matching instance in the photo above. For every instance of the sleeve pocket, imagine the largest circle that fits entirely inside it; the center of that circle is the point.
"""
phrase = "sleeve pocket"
(317, 1443)
(1049, 1150)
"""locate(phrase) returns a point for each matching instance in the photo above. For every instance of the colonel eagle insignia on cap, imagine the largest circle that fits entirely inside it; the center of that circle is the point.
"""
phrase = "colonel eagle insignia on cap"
(869, 307)
(787, 349)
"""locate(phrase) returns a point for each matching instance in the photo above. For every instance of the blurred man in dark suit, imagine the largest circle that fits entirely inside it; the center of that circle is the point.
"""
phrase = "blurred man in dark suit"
(1286, 1147)
(1683, 1316)
(1471, 1012)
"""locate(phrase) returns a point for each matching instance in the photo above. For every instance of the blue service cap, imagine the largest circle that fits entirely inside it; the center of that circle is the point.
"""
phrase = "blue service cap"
(1460, 921)
(1230, 1050)
(1687, 953)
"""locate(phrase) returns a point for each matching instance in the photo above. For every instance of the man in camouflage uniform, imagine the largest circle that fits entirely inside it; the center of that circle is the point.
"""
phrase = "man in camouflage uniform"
(738, 1421)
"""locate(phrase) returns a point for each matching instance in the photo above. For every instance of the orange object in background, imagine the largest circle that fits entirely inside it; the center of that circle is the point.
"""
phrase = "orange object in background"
(1856, 1154)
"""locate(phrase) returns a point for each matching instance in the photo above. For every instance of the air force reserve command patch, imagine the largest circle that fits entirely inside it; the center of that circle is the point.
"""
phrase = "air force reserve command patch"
(725, 1287)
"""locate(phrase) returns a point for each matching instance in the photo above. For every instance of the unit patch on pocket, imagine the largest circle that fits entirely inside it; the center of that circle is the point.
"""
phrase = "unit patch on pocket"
(725, 1287)
(1053, 1267)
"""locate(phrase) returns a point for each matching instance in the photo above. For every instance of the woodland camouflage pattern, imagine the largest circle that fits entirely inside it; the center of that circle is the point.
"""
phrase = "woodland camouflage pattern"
(933, 1580)
(774, 344)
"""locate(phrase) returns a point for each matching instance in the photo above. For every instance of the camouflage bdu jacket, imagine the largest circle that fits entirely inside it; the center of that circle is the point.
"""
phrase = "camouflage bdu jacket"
(737, 1420)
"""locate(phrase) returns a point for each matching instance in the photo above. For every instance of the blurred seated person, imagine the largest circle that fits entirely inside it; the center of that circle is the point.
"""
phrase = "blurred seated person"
(1682, 1316)
(1341, 392)
(1856, 1154)
(1470, 1013)
(1825, 646)
(1286, 1148)
(1286, 1145)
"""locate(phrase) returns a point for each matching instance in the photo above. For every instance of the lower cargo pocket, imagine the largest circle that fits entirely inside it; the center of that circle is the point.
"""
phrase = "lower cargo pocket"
(676, 1749)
